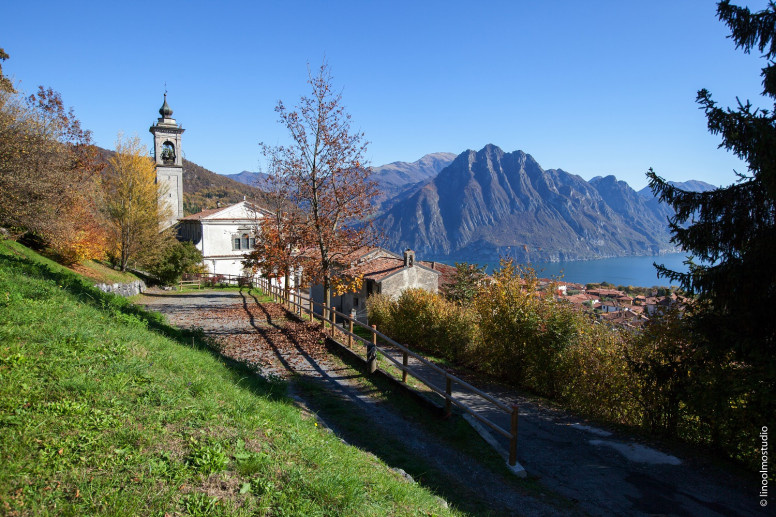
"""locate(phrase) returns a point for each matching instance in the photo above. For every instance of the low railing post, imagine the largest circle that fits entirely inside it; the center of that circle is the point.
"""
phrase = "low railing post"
(324, 315)
(371, 351)
(404, 361)
(448, 398)
(513, 439)
(350, 329)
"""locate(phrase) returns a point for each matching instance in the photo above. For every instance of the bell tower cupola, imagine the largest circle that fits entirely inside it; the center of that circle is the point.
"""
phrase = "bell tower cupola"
(169, 160)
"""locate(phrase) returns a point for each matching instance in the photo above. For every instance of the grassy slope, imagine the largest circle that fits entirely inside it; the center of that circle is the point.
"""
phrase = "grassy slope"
(106, 410)
(99, 272)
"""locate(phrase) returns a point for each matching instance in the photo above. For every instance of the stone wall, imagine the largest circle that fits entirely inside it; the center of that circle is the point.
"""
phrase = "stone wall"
(130, 289)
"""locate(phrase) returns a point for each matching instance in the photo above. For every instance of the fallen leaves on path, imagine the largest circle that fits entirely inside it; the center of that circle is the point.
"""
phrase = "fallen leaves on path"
(262, 335)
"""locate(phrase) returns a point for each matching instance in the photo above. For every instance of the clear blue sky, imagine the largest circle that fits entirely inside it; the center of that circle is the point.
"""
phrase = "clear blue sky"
(594, 88)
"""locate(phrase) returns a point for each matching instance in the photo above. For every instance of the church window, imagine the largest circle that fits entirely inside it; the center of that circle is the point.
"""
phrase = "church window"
(244, 241)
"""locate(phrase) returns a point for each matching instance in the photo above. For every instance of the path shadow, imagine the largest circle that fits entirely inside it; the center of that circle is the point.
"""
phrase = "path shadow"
(322, 373)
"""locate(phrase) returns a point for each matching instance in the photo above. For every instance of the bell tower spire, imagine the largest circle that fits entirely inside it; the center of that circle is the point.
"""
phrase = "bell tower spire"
(169, 160)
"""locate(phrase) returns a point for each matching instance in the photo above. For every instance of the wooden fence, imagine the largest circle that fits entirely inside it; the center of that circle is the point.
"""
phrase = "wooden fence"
(328, 318)
(210, 279)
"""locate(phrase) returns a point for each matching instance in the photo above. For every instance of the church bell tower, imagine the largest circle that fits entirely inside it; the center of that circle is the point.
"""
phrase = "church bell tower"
(169, 160)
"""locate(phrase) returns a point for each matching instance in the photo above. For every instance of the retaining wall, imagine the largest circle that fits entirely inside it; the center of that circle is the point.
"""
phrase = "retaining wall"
(130, 289)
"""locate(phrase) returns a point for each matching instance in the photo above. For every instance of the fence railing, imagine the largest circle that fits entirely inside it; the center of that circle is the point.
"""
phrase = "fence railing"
(210, 279)
(328, 316)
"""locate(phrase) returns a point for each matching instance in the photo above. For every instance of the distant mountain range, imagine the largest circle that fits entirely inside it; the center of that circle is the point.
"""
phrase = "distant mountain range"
(248, 178)
(478, 206)
(489, 203)
(393, 180)
(397, 180)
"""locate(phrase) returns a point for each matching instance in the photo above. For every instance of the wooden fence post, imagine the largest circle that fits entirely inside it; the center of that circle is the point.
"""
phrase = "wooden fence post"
(404, 360)
(449, 392)
(323, 316)
(371, 351)
(513, 439)
(350, 337)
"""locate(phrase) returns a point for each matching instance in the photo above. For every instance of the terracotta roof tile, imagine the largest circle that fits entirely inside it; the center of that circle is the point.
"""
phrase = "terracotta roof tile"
(204, 213)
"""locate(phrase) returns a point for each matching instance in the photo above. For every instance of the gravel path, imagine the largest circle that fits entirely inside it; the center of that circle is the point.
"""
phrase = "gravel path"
(275, 343)
(601, 472)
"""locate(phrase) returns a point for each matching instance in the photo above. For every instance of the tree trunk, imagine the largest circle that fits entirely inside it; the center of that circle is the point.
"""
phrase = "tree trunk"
(327, 295)
(286, 287)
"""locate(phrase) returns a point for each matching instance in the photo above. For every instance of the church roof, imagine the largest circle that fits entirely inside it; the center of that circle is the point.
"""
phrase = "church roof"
(241, 210)
(165, 111)
(204, 213)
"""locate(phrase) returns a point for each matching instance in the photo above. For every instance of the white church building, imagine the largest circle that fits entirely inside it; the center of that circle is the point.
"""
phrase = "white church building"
(223, 235)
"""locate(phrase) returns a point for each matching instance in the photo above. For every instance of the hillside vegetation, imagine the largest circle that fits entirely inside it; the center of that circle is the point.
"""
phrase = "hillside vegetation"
(106, 410)
(652, 379)
(202, 189)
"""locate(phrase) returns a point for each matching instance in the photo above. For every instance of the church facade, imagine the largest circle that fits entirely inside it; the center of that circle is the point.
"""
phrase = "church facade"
(223, 235)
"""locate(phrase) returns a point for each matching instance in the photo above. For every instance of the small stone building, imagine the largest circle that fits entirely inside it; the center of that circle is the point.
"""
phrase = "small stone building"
(384, 272)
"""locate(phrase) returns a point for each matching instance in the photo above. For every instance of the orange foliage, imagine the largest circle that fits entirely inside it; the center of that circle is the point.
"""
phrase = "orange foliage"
(324, 175)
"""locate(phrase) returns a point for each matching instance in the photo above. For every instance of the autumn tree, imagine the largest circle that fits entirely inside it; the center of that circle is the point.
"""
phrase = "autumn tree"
(133, 208)
(731, 232)
(277, 227)
(328, 181)
(48, 174)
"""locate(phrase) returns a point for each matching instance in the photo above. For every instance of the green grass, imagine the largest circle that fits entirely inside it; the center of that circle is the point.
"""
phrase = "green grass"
(103, 273)
(106, 410)
(354, 424)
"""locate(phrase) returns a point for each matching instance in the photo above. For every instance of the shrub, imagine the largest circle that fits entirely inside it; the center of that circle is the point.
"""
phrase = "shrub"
(178, 259)
(596, 378)
(379, 312)
(425, 321)
(524, 332)
(659, 359)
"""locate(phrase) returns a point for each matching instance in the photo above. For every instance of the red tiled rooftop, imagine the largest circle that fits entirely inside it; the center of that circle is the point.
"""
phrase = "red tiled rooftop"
(203, 213)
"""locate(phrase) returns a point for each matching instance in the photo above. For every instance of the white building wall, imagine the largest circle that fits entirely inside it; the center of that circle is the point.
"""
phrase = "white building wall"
(218, 231)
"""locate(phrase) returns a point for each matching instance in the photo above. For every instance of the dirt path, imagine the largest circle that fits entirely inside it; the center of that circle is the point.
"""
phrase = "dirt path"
(275, 343)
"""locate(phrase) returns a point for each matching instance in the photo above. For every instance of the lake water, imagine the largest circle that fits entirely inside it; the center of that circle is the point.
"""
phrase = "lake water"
(635, 271)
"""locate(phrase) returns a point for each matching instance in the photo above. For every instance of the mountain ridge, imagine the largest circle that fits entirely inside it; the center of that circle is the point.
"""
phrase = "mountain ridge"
(489, 201)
